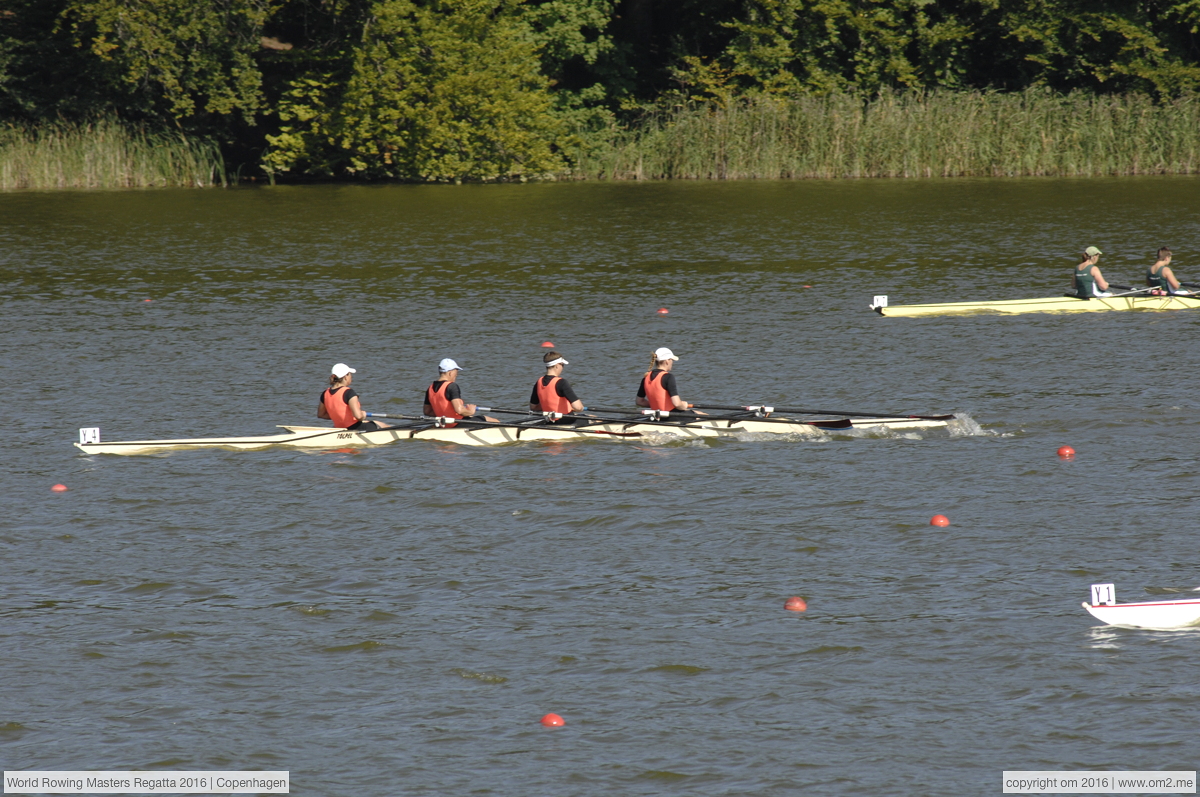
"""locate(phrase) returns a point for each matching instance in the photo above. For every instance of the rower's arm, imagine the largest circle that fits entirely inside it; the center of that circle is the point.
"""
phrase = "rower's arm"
(356, 409)
(577, 406)
(641, 402)
(1170, 277)
(462, 408)
(322, 412)
(535, 407)
(1100, 281)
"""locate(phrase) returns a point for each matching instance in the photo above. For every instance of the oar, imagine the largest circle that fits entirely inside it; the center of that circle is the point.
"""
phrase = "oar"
(433, 418)
(827, 412)
(733, 417)
(430, 421)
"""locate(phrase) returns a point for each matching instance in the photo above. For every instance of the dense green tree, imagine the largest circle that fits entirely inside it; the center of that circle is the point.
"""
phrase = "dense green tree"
(438, 90)
(42, 74)
(180, 59)
(789, 46)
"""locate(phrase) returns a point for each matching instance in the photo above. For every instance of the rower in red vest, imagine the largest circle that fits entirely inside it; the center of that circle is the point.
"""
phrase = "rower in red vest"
(658, 391)
(443, 398)
(340, 404)
(551, 393)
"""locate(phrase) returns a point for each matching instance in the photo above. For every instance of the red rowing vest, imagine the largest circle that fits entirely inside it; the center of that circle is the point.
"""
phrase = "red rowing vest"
(548, 396)
(337, 408)
(656, 394)
(442, 407)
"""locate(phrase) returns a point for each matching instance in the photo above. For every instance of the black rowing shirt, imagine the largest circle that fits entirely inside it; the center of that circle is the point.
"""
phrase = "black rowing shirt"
(667, 380)
(562, 389)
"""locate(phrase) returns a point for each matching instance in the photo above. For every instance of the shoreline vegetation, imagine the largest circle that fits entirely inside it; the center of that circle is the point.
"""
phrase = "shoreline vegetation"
(834, 136)
(481, 91)
(105, 154)
(915, 134)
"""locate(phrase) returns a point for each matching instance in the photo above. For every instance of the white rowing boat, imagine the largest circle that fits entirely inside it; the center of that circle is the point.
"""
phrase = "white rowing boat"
(320, 437)
(1155, 615)
(1052, 304)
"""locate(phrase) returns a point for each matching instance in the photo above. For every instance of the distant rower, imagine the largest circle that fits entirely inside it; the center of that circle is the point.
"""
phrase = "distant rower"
(444, 398)
(1089, 282)
(551, 393)
(658, 391)
(340, 404)
(1160, 275)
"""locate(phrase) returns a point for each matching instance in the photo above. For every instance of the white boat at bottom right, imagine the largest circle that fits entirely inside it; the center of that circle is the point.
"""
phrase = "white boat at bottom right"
(1155, 615)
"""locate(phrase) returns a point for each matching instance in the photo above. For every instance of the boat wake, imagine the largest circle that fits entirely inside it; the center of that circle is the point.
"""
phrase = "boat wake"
(964, 425)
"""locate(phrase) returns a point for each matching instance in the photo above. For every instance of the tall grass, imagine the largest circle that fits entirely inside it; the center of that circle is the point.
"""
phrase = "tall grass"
(104, 154)
(935, 134)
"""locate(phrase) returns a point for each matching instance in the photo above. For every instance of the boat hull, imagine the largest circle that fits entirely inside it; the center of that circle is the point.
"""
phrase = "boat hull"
(1061, 304)
(320, 437)
(1157, 615)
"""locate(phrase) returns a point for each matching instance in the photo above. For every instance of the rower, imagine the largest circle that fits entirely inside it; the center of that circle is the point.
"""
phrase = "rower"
(551, 393)
(443, 398)
(1160, 275)
(340, 404)
(1089, 282)
(657, 390)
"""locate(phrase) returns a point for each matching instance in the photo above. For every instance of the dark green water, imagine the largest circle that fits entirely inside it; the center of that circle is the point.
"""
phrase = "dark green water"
(396, 620)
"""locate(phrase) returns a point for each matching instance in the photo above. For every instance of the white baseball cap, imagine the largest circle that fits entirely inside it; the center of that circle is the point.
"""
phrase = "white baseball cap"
(664, 354)
(448, 365)
(341, 369)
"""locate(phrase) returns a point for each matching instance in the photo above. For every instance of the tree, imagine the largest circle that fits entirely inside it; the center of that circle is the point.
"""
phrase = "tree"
(182, 60)
(433, 90)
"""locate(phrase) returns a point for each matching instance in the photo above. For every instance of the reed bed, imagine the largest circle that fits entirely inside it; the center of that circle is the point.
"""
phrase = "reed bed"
(918, 134)
(104, 154)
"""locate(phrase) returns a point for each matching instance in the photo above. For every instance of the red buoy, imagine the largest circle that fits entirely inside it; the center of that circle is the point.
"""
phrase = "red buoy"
(1066, 452)
(663, 311)
(59, 488)
(796, 604)
(553, 721)
(939, 520)
(547, 345)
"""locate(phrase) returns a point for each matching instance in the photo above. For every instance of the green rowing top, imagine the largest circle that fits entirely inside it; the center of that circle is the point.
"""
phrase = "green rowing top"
(1157, 280)
(1085, 283)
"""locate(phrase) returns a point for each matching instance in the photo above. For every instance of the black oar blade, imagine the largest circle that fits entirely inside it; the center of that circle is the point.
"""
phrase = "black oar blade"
(844, 423)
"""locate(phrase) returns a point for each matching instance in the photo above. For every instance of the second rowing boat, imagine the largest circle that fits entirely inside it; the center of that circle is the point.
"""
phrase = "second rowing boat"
(1051, 304)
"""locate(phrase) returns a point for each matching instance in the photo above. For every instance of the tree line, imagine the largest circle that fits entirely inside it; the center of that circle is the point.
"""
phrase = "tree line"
(516, 89)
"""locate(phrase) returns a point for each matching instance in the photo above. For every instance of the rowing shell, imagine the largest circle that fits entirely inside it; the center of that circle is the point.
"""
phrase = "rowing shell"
(1160, 615)
(466, 434)
(1062, 304)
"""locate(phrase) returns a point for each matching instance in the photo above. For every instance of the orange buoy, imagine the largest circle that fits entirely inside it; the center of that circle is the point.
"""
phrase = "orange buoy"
(553, 721)
(146, 300)
(663, 311)
(1066, 452)
(547, 345)
(939, 520)
(807, 286)
(59, 488)
(796, 604)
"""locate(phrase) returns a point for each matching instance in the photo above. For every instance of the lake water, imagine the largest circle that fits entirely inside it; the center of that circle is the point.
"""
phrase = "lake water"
(396, 620)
